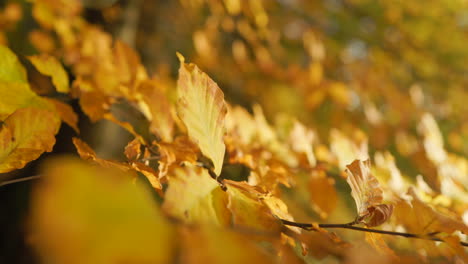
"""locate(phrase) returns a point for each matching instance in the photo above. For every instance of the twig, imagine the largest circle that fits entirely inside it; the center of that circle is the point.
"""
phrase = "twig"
(310, 227)
(20, 180)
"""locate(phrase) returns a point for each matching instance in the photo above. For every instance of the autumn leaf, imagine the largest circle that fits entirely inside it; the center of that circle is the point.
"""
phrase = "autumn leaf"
(248, 209)
(202, 108)
(65, 112)
(194, 197)
(322, 193)
(215, 245)
(160, 113)
(11, 69)
(50, 66)
(367, 194)
(25, 135)
(96, 215)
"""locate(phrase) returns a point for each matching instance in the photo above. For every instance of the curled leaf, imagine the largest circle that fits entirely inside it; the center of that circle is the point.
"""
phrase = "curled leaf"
(367, 194)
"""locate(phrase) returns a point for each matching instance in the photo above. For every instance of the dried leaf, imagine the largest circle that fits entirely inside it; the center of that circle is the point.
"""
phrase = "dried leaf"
(301, 139)
(133, 149)
(97, 215)
(25, 135)
(202, 108)
(367, 194)
(50, 66)
(149, 173)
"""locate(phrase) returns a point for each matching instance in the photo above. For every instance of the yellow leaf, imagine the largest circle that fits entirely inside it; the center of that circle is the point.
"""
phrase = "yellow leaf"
(418, 217)
(11, 69)
(214, 245)
(195, 197)
(25, 135)
(159, 114)
(202, 108)
(133, 149)
(367, 194)
(87, 214)
(15, 95)
(248, 209)
(322, 193)
(50, 66)
(66, 113)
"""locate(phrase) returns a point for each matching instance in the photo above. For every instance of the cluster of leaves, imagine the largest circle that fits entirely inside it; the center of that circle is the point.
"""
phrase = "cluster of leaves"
(192, 148)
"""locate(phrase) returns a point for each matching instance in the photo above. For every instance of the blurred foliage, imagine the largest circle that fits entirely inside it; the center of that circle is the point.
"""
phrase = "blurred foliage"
(285, 108)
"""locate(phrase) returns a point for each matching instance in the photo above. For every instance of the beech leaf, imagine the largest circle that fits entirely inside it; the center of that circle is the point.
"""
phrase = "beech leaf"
(202, 108)
(50, 66)
(25, 135)
(367, 194)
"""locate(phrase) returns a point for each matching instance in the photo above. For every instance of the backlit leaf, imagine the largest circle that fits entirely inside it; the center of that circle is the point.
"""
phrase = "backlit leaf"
(202, 108)
(194, 197)
(25, 135)
(66, 113)
(86, 214)
(367, 194)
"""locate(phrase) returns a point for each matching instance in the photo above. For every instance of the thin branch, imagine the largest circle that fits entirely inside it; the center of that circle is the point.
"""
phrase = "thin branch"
(310, 227)
(20, 180)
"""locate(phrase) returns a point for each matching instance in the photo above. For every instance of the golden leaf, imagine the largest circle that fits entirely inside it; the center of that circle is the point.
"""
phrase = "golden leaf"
(132, 150)
(25, 135)
(214, 245)
(194, 197)
(202, 108)
(159, 114)
(87, 214)
(50, 66)
(66, 113)
(11, 69)
(367, 194)
(248, 209)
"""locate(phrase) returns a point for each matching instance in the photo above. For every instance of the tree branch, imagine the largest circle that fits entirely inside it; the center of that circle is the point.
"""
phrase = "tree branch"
(20, 180)
(310, 227)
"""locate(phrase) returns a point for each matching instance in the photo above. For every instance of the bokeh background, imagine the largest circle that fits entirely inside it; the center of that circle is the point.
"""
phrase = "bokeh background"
(369, 69)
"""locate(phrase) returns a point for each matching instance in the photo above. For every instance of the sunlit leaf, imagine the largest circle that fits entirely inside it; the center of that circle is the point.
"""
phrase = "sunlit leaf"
(11, 69)
(194, 197)
(247, 208)
(50, 66)
(202, 108)
(96, 215)
(157, 109)
(25, 135)
(367, 194)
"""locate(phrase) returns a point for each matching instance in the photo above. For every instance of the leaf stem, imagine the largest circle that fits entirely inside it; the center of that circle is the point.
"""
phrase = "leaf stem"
(310, 227)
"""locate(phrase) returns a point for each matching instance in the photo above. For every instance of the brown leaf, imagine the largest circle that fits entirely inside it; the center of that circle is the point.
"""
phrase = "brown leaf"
(133, 149)
(367, 194)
